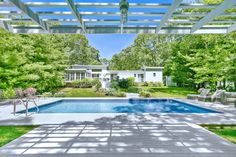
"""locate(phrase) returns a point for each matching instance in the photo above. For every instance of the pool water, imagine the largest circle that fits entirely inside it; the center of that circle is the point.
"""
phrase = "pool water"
(120, 106)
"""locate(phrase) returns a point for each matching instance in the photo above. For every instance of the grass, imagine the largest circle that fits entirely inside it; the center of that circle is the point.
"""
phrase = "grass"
(9, 133)
(226, 131)
(158, 92)
(81, 92)
(169, 92)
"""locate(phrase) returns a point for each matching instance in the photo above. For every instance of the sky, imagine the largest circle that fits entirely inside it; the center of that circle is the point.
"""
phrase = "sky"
(110, 44)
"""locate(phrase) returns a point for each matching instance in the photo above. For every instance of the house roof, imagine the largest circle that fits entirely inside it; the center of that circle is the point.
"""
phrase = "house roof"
(89, 66)
(134, 71)
(153, 68)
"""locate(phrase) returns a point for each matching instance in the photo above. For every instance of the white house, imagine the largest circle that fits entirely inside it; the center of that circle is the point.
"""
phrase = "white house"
(146, 74)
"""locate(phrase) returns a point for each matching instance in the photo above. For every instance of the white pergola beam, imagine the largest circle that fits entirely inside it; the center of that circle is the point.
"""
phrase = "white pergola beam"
(214, 13)
(6, 26)
(175, 4)
(104, 21)
(71, 21)
(127, 30)
(111, 5)
(69, 13)
(24, 8)
(75, 12)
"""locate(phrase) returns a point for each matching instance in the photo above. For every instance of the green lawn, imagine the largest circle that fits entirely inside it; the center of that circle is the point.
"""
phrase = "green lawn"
(9, 133)
(169, 92)
(81, 92)
(225, 131)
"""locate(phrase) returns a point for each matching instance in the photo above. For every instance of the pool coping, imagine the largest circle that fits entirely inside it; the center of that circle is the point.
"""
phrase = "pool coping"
(228, 115)
(177, 100)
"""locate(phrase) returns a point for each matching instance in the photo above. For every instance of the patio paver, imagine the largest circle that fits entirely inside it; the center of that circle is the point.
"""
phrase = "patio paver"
(103, 140)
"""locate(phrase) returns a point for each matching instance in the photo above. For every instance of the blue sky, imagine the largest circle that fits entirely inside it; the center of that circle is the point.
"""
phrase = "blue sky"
(110, 44)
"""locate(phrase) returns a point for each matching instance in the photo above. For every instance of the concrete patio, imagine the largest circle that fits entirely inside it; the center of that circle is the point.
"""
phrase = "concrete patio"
(142, 140)
(119, 134)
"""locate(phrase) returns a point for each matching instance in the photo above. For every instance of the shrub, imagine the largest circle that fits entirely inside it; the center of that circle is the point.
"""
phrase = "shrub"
(97, 84)
(60, 94)
(145, 94)
(19, 93)
(114, 84)
(159, 84)
(145, 84)
(1, 94)
(86, 83)
(119, 94)
(102, 90)
(153, 84)
(112, 92)
(47, 94)
(126, 83)
(131, 81)
(133, 90)
(8, 93)
(123, 83)
(30, 91)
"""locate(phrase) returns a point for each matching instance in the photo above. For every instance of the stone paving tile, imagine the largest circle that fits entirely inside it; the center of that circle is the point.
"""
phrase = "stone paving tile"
(185, 140)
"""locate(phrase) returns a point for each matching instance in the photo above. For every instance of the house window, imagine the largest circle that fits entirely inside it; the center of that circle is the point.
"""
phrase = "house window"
(154, 74)
(95, 75)
(96, 70)
(134, 75)
(82, 75)
(71, 76)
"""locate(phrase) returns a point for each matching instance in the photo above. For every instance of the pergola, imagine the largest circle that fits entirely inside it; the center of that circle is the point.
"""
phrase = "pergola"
(103, 16)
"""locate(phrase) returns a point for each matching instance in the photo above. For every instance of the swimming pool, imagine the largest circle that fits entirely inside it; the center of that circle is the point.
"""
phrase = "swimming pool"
(120, 106)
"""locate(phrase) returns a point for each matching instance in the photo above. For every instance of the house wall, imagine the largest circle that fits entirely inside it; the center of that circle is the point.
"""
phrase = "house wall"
(127, 74)
(149, 76)
(144, 75)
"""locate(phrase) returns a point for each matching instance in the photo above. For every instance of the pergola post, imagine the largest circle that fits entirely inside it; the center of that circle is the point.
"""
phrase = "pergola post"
(175, 4)
(75, 12)
(35, 17)
(214, 13)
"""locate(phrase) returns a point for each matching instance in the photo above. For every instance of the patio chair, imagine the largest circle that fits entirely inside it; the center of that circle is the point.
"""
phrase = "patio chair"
(215, 97)
(203, 92)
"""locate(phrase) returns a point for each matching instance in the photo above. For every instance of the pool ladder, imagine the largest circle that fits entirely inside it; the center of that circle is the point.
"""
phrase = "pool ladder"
(26, 104)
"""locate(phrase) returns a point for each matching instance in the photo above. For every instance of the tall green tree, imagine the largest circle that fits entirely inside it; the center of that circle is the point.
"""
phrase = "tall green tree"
(203, 60)
(39, 60)
(147, 50)
(79, 50)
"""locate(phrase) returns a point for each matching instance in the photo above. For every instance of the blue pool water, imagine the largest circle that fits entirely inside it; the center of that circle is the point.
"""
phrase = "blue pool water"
(120, 106)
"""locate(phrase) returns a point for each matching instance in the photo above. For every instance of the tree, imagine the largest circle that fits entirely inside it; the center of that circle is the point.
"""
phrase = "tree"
(147, 50)
(79, 50)
(203, 59)
(39, 60)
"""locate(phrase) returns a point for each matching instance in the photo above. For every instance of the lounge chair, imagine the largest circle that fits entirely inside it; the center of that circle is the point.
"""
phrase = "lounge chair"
(215, 97)
(203, 92)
